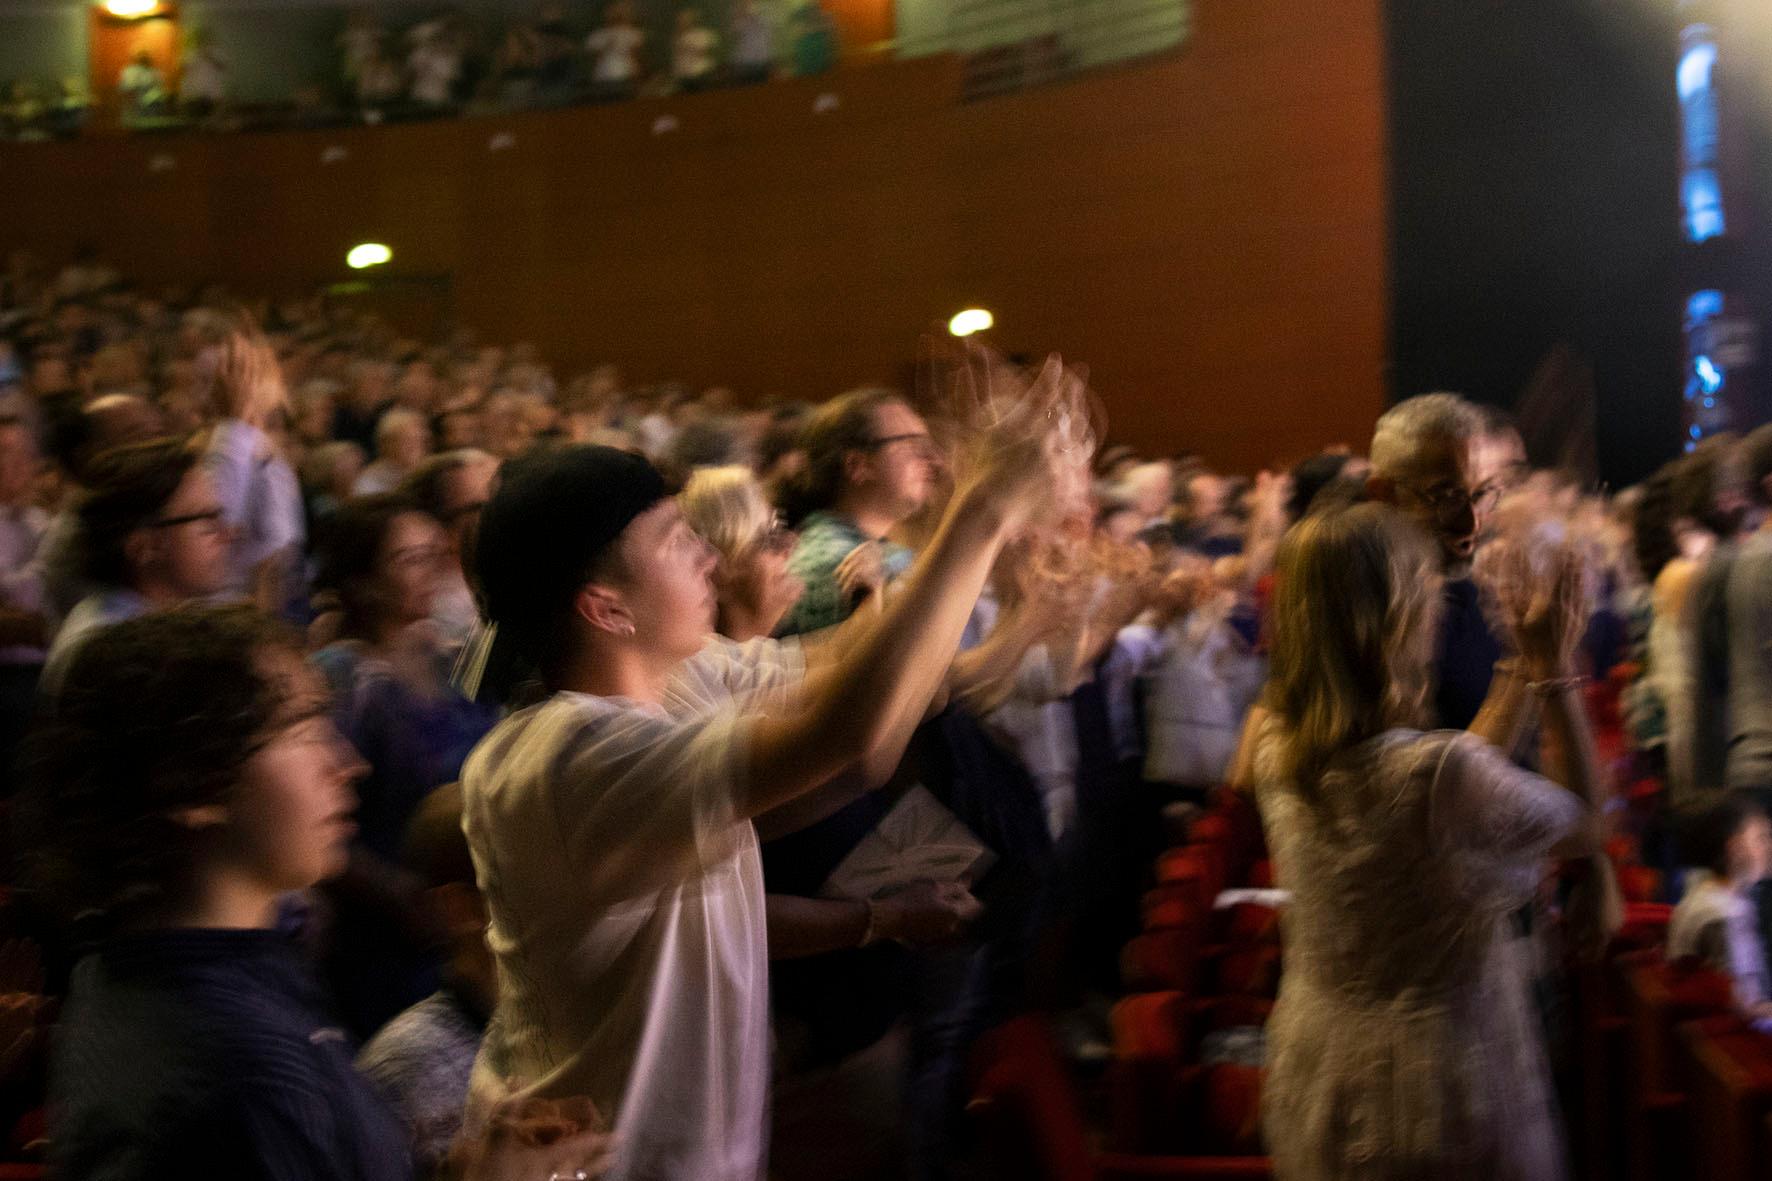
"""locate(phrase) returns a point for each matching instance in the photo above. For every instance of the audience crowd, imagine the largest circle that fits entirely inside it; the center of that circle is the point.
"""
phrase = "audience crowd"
(454, 63)
(426, 762)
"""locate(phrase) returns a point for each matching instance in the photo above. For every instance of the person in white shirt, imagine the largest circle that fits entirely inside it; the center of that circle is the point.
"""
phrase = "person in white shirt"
(615, 50)
(141, 88)
(692, 52)
(610, 824)
(255, 485)
(1728, 844)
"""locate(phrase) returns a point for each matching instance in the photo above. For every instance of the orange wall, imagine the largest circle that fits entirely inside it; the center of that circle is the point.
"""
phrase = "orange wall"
(1207, 231)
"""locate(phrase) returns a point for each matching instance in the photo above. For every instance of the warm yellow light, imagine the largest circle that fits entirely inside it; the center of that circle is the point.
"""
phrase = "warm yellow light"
(969, 321)
(131, 9)
(367, 254)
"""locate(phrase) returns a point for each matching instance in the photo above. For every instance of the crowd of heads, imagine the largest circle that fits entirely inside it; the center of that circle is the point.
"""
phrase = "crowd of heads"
(358, 495)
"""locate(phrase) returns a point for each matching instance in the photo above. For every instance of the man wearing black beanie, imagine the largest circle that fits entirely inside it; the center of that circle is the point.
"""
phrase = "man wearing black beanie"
(610, 825)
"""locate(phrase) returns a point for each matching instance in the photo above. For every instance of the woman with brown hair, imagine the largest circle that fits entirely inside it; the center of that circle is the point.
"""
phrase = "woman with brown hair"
(1404, 1043)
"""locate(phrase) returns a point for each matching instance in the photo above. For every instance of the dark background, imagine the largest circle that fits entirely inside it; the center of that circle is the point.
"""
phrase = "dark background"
(1535, 203)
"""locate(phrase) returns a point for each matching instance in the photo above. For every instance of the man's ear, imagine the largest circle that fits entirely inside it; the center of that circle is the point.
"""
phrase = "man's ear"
(604, 609)
(1383, 489)
(857, 465)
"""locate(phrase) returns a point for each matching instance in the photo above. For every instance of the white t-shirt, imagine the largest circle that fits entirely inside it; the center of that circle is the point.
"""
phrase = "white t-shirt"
(616, 48)
(693, 55)
(1722, 927)
(627, 913)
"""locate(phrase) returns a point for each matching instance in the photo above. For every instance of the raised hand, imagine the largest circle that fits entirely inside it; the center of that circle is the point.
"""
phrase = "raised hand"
(1542, 598)
(536, 1139)
(249, 380)
(1027, 439)
(862, 572)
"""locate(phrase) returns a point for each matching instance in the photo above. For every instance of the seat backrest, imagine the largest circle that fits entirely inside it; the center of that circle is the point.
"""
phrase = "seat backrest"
(1726, 1068)
(1660, 995)
(1027, 1106)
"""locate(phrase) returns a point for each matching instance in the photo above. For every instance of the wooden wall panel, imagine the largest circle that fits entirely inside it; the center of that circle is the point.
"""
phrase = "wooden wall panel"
(1206, 230)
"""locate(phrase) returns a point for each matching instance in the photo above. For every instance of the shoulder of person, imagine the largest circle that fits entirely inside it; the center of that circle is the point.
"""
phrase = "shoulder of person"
(1674, 583)
(415, 1042)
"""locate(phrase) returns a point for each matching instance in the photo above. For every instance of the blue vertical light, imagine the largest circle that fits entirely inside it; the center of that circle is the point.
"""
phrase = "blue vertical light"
(1701, 192)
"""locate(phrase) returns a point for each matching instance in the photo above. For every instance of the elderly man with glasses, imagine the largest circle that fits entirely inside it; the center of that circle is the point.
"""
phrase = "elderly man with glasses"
(1434, 459)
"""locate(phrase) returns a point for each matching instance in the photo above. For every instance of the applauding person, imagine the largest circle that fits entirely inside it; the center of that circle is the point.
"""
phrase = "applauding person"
(610, 824)
(1405, 852)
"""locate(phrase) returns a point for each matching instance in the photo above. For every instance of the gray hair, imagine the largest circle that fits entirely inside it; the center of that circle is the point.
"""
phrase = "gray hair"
(1406, 429)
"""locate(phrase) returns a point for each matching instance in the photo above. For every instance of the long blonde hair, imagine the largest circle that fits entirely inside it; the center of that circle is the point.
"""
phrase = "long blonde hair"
(1355, 605)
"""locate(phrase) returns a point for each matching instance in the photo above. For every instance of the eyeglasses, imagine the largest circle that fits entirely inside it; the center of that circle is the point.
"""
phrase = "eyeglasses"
(924, 442)
(777, 538)
(1449, 501)
(210, 516)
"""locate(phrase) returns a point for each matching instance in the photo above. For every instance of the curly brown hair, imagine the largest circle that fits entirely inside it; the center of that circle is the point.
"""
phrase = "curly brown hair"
(157, 715)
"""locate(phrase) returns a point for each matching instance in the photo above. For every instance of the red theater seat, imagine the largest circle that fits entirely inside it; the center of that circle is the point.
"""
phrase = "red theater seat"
(1661, 995)
(1031, 1126)
(1161, 960)
(1727, 1071)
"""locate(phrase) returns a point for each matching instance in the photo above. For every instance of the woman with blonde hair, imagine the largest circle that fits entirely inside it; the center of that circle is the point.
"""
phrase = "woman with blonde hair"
(1404, 1043)
(753, 588)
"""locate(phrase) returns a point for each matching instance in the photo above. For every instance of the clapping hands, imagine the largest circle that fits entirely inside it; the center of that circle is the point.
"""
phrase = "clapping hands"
(539, 1140)
(1540, 590)
(249, 379)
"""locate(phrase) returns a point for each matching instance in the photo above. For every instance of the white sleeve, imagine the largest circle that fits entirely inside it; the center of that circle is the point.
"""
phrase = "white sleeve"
(1501, 819)
(758, 675)
(232, 449)
(643, 802)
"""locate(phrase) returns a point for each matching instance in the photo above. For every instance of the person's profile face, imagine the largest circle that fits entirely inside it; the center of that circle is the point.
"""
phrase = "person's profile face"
(192, 538)
(1750, 850)
(668, 589)
(903, 457)
(289, 825)
(410, 566)
(1451, 490)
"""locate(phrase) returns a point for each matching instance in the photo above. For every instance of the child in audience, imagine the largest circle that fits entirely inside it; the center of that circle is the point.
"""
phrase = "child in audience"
(1728, 847)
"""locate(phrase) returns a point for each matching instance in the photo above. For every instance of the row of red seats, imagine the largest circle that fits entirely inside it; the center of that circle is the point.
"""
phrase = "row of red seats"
(1675, 1083)
(1194, 969)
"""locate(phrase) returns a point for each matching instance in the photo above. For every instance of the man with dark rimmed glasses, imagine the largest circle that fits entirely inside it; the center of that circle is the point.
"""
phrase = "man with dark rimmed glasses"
(153, 536)
(869, 465)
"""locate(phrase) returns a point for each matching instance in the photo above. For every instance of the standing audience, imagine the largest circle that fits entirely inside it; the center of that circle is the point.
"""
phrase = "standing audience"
(583, 936)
